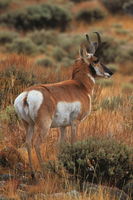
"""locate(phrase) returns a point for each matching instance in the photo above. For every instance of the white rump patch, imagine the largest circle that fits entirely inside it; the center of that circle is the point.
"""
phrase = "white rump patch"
(18, 105)
(66, 113)
(34, 100)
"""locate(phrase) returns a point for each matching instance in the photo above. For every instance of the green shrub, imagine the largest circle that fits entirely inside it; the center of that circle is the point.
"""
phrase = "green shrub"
(7, 36)
(99, 161)
(24, 78)
(38, 17)
(125, 53)
(2, 96)
(66, 43)
(70, 44)
(66, 62)
(117, 25)
(46, 62)
(44, 37)
(61, 45)
(114, 6)
(112, 103)
(128, 188)
(4, 4)
(58, 53)
(130, 52)
(128, 7)
(9, 116)
(122, 31)
(22, 46)
(111, 51)
(114, 67)
(13, 80)
(90, 15)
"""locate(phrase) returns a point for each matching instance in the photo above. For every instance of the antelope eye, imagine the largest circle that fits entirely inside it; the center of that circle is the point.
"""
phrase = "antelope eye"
(96, 61)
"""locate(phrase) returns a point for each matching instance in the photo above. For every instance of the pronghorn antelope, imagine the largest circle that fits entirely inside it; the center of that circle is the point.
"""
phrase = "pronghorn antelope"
(61, 104)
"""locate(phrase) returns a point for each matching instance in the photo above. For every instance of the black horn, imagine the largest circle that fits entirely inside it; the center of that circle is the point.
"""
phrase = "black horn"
(98, 38)
(100, 45)
(90, 48)
(87, 38)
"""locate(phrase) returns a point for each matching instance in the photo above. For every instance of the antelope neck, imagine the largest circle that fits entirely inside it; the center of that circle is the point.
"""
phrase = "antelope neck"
(86, 80)
(83, 77)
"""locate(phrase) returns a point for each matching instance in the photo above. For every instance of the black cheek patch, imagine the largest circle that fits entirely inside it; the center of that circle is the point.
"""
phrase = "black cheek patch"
(92, 70)
(96, 61)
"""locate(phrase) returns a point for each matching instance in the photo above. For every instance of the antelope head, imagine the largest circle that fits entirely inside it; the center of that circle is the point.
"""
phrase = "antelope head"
(90, 52)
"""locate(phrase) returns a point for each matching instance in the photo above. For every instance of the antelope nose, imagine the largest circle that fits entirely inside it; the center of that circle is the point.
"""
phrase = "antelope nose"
(111, 73)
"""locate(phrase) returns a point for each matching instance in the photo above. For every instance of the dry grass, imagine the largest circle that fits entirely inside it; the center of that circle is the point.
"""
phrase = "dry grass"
(52, 188)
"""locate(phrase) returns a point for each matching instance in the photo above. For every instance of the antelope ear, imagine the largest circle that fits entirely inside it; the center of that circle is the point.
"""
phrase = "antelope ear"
(84, 55)
(81, 51)
(90, 48)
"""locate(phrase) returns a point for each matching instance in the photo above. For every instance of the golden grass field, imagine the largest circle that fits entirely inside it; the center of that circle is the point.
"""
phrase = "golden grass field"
(115, 122)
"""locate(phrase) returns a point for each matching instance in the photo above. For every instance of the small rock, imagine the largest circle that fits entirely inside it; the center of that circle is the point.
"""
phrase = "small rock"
(22, 186)
(11, 157)
(40, 196)
(74, 194)
(23, 195)
(2, 183)
(112, 192)
(128, 8)
(5, 198)
(6, 177)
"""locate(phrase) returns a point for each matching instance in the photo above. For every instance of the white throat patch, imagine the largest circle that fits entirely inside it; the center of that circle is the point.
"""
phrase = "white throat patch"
(89, 55)
(91, 77)
(98, 73)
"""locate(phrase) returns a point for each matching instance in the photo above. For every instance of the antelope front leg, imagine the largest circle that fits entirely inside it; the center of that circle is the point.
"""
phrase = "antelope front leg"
(74, 126)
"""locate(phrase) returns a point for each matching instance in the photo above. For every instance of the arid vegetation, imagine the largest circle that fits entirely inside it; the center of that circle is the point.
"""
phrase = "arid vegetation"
(39, 42)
